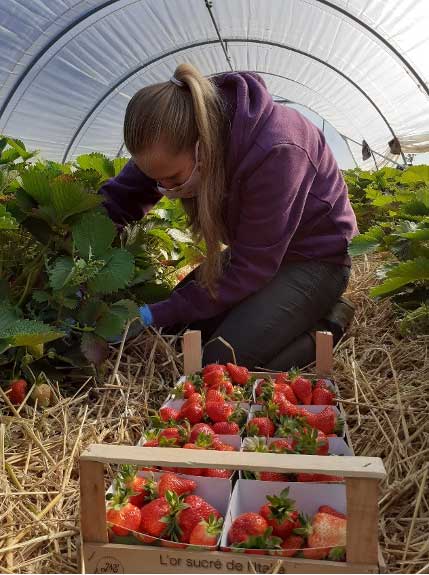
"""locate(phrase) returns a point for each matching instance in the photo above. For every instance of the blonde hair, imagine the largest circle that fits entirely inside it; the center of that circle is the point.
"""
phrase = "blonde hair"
(179, 115)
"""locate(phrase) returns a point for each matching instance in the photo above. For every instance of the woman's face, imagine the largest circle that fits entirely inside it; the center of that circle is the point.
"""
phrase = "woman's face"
(169, 169)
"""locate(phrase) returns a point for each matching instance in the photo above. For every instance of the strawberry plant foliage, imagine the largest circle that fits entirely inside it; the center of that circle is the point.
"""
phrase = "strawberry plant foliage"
(392, 207)
(70, 279)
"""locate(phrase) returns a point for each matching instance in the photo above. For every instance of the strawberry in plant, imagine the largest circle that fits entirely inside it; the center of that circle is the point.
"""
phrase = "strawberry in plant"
(168, 414)
(139, 488)
(176, 484)
(238, 374)
(245, 526)
(226, 428)
(291, 545)
(326, 536)
(280, 513)
(206, 532)
(18, 391)
(197, 509)
(42, 393)
(260, 426)
(121, 514)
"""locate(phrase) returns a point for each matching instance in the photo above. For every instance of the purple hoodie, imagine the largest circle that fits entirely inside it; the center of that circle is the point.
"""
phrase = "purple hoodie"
(286, 200)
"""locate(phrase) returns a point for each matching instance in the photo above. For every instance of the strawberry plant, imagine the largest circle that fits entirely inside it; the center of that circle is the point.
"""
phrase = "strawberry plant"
(397, 214)
(70, 280)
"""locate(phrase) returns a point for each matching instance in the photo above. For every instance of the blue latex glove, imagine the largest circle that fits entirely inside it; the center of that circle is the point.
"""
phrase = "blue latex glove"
(146, 315)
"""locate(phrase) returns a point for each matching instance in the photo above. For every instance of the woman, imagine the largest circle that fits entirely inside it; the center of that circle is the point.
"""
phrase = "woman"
(258, 177)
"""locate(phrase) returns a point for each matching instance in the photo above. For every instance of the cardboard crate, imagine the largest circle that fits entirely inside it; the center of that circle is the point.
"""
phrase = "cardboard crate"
(362, 478)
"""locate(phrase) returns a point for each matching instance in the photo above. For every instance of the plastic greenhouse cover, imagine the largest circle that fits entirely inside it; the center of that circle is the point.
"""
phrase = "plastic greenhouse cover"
(69, 67)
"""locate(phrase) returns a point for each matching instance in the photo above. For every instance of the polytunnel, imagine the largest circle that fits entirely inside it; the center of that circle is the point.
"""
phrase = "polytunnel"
(69, 67)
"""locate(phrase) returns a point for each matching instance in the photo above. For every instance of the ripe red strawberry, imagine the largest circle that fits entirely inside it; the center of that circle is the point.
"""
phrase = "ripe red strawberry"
(224, 473)
(219, 446)
(281, 446)
(219, 411)
(291, 545)
(155, 518)
(260, 386)
(188, 389)
(151, 443)
(302, 388)
(139, 488)
(175, 435)
(286, 390)
(331, 511)
(18, 391)
(206, 532)
(270, 476)
(194, 398)
(200, 428)
(285, 407)
(197, 509)
(260, 426)
(310, 441)
(246, 525)
(228, 388)
(214, 395)
(321, 383)
(176, 484)
(282, 378)
(318, 477)
(214, 367)
(326, 420)
(226, 428)
(322, 396)
(123, 515)
(193, 412)
(326, 533)
(214, 378)
(280, 514)
(168, 414)
(238, 374)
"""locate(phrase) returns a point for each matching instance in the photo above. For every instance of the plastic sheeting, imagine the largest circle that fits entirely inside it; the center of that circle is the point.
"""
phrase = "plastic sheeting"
(69, 67)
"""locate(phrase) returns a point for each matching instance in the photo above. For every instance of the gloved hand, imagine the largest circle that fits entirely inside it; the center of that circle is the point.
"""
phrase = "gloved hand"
(146, 316)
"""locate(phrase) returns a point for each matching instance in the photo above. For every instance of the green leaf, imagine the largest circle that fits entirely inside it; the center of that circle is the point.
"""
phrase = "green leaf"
(119, 164)
(8, 316)
(36, 184)
(98, 162)
(7, 221)
(9, 156)
(91, 310)
(61, 272)
(180, 236)
(417, 235)
(93, 235)
(70, 198)
(112, 323)
(25, 332)
(367, 242)
(94, 348)
(415, 174)
(40, 296)
(403, 274)
(163, 237)
(116, 273)
(19, 147)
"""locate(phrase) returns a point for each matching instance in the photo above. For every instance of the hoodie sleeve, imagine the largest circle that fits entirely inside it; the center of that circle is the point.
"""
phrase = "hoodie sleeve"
(271, 206)
(129, 195)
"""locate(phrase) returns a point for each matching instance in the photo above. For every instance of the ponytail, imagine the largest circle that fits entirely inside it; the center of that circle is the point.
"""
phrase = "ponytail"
(182, 112)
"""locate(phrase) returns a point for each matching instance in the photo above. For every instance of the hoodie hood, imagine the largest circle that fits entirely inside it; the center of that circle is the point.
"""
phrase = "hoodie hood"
(248, 106)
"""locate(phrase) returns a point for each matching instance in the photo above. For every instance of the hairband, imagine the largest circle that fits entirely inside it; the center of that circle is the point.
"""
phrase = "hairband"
(177, 82)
